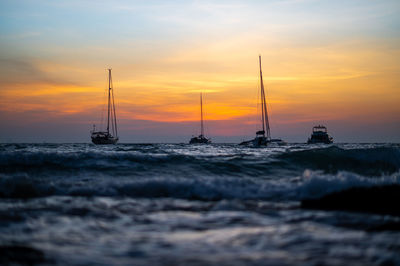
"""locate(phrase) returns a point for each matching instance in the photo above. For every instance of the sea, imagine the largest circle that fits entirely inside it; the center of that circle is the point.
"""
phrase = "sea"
(218, 204)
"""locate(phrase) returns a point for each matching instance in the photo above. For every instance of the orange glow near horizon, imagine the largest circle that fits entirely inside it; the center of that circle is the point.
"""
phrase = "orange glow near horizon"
(349, 87)
(173, 96)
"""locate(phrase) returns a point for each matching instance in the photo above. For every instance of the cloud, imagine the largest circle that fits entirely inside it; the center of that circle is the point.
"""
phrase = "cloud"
(24, 71)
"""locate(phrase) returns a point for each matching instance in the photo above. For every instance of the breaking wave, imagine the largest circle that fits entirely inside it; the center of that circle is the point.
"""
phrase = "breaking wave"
(181, 171)
(366, 161)
(310, 185)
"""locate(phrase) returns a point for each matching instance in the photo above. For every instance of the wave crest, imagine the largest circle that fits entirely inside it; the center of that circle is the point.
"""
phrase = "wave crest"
(312, 184)
(366, 161)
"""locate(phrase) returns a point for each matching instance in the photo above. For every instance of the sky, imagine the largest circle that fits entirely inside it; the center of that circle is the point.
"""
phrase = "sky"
(335, 63)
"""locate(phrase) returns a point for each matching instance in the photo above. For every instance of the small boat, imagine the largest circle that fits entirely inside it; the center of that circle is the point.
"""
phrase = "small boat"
(320, 135)
(201, 139)
(111, 135)
(263, 137)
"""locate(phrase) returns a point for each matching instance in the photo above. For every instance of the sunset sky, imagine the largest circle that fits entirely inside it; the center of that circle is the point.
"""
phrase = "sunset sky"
(335, 63)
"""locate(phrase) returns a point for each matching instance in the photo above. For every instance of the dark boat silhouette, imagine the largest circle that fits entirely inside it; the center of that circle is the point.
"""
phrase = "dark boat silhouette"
(320, 135)
(263, 137)
(201, 139)
(111, 135)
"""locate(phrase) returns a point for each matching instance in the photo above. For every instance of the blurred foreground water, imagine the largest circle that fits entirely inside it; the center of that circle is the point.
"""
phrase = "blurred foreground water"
(219, 204)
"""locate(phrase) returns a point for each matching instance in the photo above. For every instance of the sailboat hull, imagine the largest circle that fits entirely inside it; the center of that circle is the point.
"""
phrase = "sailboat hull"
(263, 142)
(99, 141)
(199, 140)
(102, 139)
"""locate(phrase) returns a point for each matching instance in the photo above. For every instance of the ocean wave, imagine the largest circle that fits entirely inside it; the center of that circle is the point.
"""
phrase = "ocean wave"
(153, 160)
(310, 185)
(192, 172)
(315, 184)
(365, 161)
(88, 160)
(131, 163)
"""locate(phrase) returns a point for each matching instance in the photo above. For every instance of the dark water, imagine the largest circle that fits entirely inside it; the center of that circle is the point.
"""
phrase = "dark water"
(175, 204)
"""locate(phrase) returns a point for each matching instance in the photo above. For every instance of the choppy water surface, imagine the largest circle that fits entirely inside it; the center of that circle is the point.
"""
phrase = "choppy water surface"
(176, 204)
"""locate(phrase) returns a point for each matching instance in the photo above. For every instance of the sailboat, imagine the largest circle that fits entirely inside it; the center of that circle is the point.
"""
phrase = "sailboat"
(201, 138)
(111, 135)
(263, 137)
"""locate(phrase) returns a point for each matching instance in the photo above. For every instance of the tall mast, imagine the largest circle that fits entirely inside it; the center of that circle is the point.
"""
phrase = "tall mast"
(201, 111)
(113, 107)
(264, 105)
(109, 98)
(262, 97)
(115, 113)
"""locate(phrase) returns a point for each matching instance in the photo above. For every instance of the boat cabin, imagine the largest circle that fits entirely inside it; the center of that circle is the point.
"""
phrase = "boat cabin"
(320, 128)
(320, 135)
